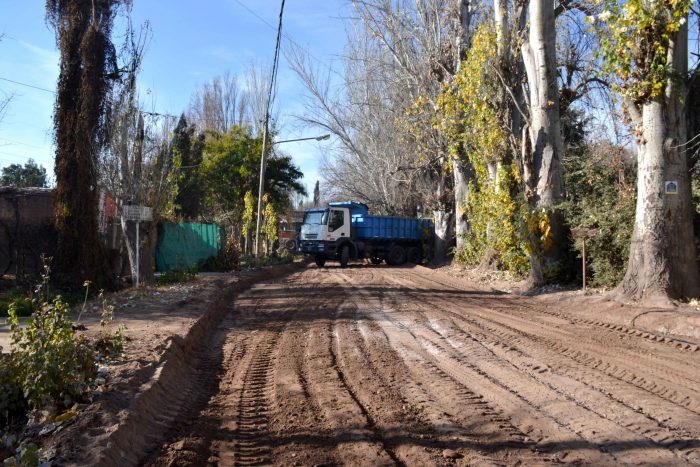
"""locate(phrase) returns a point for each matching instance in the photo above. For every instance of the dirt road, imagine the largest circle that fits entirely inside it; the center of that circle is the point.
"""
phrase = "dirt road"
(381, 366)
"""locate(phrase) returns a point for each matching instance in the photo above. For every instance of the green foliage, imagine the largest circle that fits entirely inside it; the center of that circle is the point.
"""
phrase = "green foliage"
(49, 362)
(22, 304)
(270, 222)
(635, 42)
(177, 275)
(31, 175)
(469, 117)
(248, 213)
(601, 195)
(11, 400)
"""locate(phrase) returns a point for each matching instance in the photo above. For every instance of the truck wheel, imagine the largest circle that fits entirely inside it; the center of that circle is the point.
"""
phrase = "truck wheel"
(344, 257)
(376, 260)
(414, 255)
(396, 256)
(320, 261)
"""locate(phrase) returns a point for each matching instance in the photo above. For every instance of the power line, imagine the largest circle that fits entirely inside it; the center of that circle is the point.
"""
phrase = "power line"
(27, 85)
(271, 26)
(23, 144)
(155, 114)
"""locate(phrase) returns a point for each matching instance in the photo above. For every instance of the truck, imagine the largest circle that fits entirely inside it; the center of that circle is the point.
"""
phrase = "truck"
(345, 231)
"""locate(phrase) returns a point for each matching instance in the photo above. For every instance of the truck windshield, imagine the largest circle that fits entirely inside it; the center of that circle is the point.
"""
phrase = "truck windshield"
(316, 217)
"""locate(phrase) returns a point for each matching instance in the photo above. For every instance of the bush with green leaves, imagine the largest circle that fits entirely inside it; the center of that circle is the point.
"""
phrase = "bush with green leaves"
(600, 185)
(23, 304)
(11, 400)
(50, 364)
(181, 274)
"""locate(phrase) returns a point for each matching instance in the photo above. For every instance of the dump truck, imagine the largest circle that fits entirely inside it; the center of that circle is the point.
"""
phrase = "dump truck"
(345, 231)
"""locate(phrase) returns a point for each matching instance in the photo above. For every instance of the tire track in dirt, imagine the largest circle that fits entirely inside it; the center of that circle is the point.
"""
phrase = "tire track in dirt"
(594, 429)
(449, 413)
(231, 428)
(629, 390)
(645, 426)
(617, 362)
(521, 304)
(345, 419)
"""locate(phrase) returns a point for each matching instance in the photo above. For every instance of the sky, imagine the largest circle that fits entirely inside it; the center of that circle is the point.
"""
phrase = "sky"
(192, 42)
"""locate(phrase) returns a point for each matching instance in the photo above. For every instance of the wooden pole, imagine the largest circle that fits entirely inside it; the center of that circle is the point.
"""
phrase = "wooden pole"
(584, 264)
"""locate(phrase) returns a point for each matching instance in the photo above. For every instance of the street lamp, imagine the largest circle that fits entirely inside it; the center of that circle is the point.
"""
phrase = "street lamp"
(261, 186)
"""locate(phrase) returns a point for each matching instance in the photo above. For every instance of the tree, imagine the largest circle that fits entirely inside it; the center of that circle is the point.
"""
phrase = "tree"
(220, 104)
(230, 169)
(88, 65)
(187, 147)
(5, 99)
(543, 149)
(317, 194)
(646, 49)
(29, 175)
(137, 166)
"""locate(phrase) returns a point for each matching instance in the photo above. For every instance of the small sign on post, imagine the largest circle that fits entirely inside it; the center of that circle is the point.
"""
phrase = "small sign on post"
(584, 234)
(137, 214)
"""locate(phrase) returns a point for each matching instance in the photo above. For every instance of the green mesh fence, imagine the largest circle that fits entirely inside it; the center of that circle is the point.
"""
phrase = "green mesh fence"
(185, 245)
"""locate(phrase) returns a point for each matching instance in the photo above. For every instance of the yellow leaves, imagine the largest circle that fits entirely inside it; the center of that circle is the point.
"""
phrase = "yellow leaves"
(67, 415)
(636, 41)
(540, 226)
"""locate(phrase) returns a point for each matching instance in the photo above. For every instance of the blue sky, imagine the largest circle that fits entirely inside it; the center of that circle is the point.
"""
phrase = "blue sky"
(192, 42)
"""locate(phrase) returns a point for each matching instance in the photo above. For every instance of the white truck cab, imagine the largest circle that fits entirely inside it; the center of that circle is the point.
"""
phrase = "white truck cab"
(324, 232)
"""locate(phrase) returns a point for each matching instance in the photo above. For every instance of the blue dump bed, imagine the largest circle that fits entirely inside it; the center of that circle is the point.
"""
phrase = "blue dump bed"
(385, 227)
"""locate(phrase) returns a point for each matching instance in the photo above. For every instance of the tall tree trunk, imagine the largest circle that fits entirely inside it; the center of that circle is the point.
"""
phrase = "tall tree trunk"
(82, 34)
(542, 169)
(444, 222)
(462, 170)
(462, 175)
(662, 263)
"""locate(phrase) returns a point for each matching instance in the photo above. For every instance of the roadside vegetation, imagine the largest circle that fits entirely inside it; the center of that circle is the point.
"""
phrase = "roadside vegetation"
(49, 367)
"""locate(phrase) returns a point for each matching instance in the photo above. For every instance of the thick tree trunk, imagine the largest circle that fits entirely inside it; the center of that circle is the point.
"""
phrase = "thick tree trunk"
(662, 263)
(462, 175)
(82, 85)
(542, 169)
(443, 235)
(443, 219)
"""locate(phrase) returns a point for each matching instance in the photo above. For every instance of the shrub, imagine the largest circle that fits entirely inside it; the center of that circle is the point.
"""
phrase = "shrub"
(49, 363)
(601, 194)
(180, 274)
(23, 304)
(11, 401)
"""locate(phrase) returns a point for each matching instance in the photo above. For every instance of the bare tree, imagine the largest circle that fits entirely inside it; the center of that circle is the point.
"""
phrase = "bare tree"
(389, 156)
(543, 149)
(137, 166)
(257, 83)
(6, 98)
(220, 104)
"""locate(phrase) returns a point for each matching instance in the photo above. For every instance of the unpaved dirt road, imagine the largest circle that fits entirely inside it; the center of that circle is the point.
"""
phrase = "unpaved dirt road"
(382, 366)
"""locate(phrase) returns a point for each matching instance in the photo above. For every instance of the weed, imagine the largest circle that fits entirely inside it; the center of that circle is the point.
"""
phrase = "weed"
(177, 275)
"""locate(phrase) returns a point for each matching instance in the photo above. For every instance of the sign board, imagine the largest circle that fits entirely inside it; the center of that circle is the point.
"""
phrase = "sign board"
(137, 213)
(671, 187)
(581, 232)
